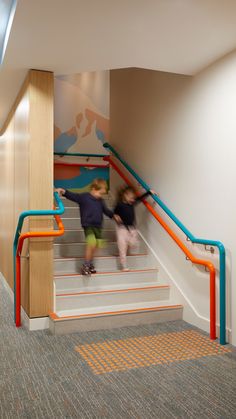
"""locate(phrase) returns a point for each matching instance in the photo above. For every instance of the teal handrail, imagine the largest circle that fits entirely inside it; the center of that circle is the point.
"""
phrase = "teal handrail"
(79, 154)
(191, 237)
(22, 216)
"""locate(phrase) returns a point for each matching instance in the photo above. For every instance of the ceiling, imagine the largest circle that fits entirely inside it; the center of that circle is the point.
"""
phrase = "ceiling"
(72, 36)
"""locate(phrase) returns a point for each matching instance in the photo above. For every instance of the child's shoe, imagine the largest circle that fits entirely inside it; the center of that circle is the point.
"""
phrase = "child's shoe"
(92, 268)
(85, 269)
(124, 269)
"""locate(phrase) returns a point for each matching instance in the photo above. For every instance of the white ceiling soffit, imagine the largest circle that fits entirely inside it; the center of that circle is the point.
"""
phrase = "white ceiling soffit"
(71, 36)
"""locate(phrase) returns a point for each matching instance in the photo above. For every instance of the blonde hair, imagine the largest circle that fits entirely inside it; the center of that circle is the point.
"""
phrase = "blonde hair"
(98, 184)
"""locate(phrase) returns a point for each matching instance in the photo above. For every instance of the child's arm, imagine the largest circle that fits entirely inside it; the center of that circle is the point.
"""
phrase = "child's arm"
(141, 197)
(116, 215)
(60, 191)
(75, 197)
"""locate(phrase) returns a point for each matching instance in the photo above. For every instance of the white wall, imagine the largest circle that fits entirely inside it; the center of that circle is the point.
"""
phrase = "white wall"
(179, 133)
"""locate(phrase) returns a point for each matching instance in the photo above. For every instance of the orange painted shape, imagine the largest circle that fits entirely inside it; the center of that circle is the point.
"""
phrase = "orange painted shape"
(65, 172)
(102, 123)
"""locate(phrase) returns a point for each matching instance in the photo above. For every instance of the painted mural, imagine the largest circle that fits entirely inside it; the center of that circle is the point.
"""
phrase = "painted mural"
(81, 126)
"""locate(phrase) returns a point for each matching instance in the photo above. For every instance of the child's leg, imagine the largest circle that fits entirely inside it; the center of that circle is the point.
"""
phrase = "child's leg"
(122, 243)
(99, 243)
(89, 250)
(133, 237)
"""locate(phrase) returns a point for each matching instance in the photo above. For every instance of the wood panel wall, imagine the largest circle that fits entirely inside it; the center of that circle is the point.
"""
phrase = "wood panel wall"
(26, 182)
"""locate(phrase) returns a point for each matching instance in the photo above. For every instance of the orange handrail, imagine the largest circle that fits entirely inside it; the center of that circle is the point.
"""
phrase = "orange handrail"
(187, 252)
(30, 234)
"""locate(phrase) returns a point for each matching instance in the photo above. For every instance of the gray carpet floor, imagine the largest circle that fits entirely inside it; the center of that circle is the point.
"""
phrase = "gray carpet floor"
(42, 376)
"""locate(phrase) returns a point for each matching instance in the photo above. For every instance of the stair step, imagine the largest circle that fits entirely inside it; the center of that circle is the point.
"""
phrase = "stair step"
(83, 301)
(78, 236)
(78, 249)
(91, 287)
(118, 316)
(70, 282)
(71, 212)
(102, 263)
(73, 223)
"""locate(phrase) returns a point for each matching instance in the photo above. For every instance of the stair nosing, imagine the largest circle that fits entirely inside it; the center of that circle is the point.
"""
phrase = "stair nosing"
(108, 273)
(56, 318)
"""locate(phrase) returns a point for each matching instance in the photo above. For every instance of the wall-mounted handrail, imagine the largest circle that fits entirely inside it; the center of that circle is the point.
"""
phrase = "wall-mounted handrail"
(103, 166)
(79, 154)
(191, 237)
(18, 244)
(187, 252)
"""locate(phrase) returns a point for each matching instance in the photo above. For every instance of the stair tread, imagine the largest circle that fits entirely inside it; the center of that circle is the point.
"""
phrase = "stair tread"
(109, 289)
(116, 309)
(108, 273)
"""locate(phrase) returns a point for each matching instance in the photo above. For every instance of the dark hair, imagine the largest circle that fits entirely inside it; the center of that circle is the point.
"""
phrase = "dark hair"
(124, 189)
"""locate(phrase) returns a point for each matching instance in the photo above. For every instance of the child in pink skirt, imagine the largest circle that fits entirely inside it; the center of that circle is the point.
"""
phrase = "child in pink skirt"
(127, 235)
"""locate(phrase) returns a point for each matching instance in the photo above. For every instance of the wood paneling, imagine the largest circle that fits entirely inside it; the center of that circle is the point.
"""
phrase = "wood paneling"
(26, 182)
(41, 189)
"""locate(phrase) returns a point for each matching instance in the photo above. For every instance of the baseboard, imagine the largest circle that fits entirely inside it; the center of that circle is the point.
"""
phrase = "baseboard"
(39, 323)
(190, 313)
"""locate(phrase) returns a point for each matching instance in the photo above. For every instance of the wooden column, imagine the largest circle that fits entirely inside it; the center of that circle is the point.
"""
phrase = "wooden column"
(41, 190)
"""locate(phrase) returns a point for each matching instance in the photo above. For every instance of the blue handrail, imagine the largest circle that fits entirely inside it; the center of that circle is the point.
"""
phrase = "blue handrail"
(191, 237)
(30, 213)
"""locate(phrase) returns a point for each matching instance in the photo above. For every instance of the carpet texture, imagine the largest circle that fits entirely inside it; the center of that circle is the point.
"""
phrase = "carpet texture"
(45, 376)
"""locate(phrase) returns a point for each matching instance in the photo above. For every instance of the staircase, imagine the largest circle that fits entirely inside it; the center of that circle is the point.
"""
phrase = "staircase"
(110, 298)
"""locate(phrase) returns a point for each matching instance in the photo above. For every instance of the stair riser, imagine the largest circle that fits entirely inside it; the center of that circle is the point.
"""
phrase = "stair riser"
(75, 223)
(78, 250)
(86, 301)
(101, 264)
(78, 236)
(71, 212)
(78, 283)
(112, 322)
